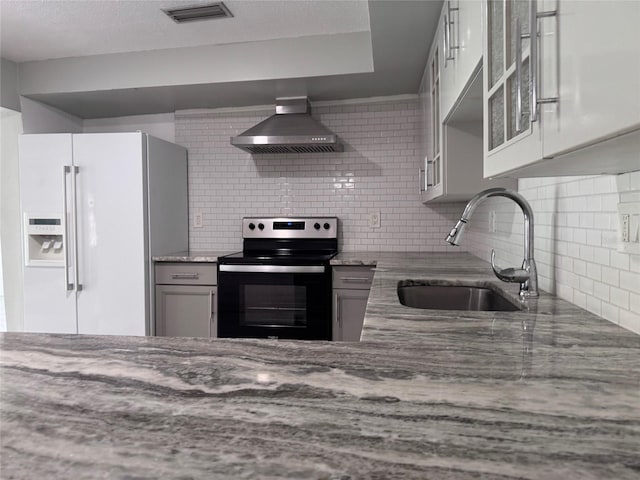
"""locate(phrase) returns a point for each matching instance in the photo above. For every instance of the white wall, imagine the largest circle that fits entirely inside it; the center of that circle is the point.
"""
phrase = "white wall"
(275, 59)
(10, 235)
(376, 172)
(576, 241)
(9, 97)
(38, 117)
(160, 125)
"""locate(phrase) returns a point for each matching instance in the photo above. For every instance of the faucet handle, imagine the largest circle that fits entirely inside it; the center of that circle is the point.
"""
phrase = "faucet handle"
(511, 275)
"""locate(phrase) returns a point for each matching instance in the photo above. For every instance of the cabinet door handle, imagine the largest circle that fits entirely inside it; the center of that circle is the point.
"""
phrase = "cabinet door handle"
(534, 15)
(429, 169)
(211, 325)
(518, 60)
(185, 275)
(273, 268)
(445, 31)
(355, 279)
(447, 34)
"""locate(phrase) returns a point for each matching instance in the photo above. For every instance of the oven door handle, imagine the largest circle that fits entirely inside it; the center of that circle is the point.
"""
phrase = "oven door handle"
(272, 268)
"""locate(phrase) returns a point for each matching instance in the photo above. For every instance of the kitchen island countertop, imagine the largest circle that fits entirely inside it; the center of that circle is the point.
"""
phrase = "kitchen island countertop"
(548, 392)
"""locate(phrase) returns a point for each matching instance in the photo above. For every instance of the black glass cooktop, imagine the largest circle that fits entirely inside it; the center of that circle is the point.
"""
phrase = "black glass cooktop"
(282, 257)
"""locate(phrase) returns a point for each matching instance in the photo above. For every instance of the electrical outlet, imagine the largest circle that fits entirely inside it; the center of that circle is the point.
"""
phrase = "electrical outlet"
(625, 225)
(197, 220)
(629, 227)
(374, 220)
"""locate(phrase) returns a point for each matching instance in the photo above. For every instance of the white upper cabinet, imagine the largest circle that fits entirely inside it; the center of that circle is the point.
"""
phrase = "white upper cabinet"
(598, 81)
(452, 99)
(461, 39)
(568, 102)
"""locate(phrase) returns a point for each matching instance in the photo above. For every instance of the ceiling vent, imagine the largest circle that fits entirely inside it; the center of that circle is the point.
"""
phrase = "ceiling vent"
(194, 13)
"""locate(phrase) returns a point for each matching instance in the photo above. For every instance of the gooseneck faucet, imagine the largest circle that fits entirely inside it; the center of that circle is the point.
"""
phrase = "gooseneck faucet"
(527, 275)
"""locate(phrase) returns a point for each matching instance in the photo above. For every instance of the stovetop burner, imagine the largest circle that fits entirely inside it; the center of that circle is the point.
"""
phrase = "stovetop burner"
(277, 258)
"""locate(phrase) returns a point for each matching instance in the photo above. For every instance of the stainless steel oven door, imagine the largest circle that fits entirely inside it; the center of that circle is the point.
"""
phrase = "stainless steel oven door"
(274, 301)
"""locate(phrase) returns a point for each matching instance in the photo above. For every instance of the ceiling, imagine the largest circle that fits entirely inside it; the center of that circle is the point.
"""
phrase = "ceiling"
(45, 29)
(51, 34)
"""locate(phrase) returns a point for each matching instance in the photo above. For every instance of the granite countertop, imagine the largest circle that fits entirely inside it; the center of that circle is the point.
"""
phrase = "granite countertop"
(548, 392)
(191, 256)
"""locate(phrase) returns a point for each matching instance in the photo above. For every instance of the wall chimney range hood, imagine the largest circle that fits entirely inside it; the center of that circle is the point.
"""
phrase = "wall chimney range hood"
(290, 130)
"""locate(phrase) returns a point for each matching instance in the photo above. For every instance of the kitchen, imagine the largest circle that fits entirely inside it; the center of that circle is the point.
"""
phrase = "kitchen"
(227, 184)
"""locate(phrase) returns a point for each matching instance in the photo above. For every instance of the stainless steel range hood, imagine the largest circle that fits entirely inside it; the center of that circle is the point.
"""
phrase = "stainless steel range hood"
(290, 130)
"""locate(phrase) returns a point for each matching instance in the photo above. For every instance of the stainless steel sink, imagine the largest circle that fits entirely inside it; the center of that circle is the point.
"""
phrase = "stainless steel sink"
(452, 297)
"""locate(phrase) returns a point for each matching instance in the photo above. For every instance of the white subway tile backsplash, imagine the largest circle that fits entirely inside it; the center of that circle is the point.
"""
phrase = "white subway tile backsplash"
(601, 291)
(630, 281)
(576, 241)
(580, 299)
(594, 305)
(594, 271)
(634, 301)
(619, 297)
(610, 312)
(629, 320)
(601, 256)
(610, 276)
(377, 171)
(620, 260)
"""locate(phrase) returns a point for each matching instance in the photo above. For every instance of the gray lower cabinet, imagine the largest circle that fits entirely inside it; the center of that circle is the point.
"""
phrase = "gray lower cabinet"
(186, 300)
(351, 287)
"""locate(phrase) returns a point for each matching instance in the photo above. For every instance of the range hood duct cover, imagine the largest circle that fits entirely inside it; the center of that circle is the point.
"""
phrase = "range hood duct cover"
(290, 130)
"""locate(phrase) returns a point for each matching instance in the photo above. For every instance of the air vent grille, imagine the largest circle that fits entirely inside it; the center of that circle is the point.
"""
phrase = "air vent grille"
(194, 13)
(290, 149)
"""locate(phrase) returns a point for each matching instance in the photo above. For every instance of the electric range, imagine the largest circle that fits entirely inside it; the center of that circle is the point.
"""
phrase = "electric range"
(279, 286)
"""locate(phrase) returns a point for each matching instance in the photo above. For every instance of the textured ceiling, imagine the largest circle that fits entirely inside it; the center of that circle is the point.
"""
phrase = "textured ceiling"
(37, 30)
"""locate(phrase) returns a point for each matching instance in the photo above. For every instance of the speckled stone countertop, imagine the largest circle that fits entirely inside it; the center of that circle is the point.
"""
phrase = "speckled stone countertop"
(195, 257)
(550, 392)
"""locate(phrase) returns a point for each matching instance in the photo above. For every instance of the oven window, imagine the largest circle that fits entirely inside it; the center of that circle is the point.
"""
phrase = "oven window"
(274, 305)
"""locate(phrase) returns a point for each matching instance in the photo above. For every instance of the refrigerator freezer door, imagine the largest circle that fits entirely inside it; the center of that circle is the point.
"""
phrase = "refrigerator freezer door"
(112, 233)
(49, 306)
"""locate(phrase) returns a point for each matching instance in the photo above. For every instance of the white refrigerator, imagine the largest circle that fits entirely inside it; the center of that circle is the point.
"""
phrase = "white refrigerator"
(96, 208)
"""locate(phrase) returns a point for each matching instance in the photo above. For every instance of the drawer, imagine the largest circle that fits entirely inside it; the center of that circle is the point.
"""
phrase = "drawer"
(185, 273)
(359, 277)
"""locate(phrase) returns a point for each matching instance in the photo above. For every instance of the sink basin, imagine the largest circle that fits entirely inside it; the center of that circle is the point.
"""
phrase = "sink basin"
(453, 297)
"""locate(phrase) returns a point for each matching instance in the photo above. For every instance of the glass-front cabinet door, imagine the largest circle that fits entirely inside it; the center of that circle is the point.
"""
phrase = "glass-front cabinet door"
(560, 79)
(511, 138)
(434, 166)
(432, 184)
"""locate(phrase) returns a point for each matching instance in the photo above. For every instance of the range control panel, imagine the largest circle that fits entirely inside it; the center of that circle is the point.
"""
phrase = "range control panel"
(283, 227)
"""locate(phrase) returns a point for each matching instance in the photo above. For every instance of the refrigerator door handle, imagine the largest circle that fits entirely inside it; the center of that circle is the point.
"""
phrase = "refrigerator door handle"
(74, 219)
(65, 213)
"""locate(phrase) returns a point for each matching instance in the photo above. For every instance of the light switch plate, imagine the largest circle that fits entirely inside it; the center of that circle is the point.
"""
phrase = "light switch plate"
(197, 220)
